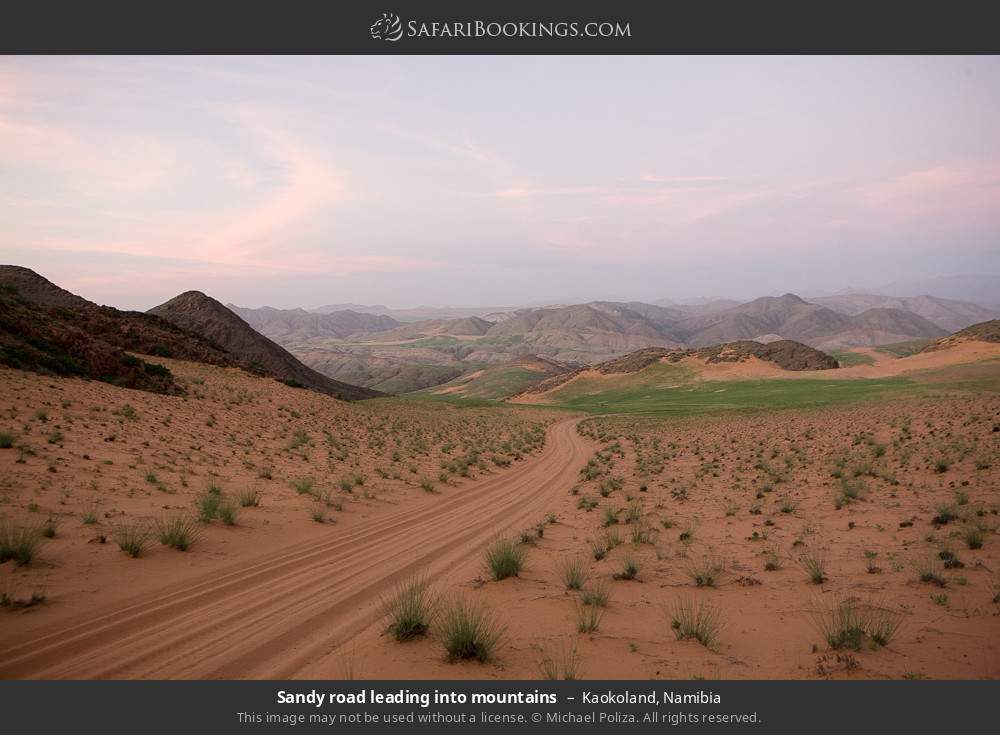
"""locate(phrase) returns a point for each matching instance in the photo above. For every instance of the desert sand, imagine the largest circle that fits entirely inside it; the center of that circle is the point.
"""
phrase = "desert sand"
(281, 595)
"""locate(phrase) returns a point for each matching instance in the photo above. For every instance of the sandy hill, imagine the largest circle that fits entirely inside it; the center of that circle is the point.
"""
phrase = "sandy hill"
(248, 348)
(785, 354)
(297, 325)
(503, 380)
(983, 332)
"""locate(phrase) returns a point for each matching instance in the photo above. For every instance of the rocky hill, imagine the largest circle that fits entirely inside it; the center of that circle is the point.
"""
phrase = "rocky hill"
(44, 328)
(196, 312)
(786, 354)
(983, 332)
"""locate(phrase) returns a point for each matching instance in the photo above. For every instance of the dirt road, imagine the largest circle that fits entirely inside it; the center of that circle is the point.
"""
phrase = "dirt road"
(272, 616)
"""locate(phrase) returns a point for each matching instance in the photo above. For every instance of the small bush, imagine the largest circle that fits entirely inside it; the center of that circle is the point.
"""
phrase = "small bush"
(249, 497)
(772, 559)
(848, 623)
(89, 515)
(49, 528)
(574, 573)
(813, 563)
(132, 537)
(18, 544)
(410, 609)
(504, 558)
(599, 549)
(973, 536)
(701, 622)
(208, 506)
(6, 440)
(588, 617)
(707, 572)
(178, 531)
(926, 572)
(302, 486)
(469, 630)
(630, 568)
(228, 512)
(598, 595)
(566, 666)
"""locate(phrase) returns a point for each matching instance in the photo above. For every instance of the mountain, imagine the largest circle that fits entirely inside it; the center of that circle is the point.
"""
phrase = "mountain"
(949, 314)
(880, 327)
(44, 328)
(297, 325)
(982, 289)
(37, 289)
(378, 309)
(700, 306)
(788, 316)
(417, 313)
(465, 326)
(194, 311)
(590, 332)
(791, 317)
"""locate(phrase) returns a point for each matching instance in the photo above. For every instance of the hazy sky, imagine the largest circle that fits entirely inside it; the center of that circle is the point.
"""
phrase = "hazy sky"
(495, 180)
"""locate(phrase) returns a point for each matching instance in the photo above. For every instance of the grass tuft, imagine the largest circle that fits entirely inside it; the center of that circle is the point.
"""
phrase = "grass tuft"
(178, 532)
(574, 573)
(701, 622)
(469, 630)
(249, 497)
(813, 563)
(410, 609)
(18, 543)
(505, 558)
(132, 537)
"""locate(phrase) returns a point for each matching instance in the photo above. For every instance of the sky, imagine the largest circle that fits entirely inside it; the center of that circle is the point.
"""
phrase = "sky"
(471, 181)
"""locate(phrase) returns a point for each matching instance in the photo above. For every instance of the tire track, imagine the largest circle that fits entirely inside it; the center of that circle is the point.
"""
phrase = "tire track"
(270, 617)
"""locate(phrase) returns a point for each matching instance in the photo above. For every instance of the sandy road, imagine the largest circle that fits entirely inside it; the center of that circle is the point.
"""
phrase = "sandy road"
(270, 617)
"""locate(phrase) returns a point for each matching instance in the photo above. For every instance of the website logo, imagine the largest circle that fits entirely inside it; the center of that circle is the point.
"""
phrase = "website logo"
(387, 28)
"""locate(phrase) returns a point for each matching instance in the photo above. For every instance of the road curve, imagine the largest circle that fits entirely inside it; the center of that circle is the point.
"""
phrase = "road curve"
(270, 617)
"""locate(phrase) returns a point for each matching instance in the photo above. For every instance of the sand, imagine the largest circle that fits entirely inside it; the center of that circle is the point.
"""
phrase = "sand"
(281, 596)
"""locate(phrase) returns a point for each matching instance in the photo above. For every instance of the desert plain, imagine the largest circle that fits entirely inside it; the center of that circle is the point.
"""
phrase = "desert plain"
(752, 523)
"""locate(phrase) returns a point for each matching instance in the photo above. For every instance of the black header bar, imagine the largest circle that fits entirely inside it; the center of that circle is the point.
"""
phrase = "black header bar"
(513, 26)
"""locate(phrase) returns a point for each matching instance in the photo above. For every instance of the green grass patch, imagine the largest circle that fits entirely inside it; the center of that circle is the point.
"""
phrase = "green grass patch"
(847, 358)
(904, 349)
(666, 390)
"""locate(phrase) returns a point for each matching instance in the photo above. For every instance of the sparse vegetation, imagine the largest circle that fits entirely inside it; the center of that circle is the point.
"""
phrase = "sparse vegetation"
(504, 558)
(847, 624)
(132, 537)
(18, 543)
(177, 531)
(588, 617)
(813, 563)
(574, 573)
(699, 621)
(410, 608)
(469, 630)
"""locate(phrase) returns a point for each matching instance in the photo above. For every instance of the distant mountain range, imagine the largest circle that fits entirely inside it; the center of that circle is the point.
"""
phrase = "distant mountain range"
(353, 354)
(388, 355)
